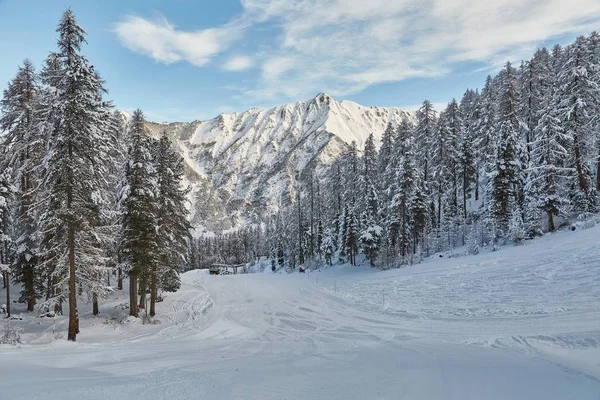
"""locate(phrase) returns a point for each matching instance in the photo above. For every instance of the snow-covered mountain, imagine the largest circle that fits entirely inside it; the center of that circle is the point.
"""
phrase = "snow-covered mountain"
(242, 164)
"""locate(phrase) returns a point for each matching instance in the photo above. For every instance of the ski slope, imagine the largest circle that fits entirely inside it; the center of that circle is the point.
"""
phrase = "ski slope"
(520, 323)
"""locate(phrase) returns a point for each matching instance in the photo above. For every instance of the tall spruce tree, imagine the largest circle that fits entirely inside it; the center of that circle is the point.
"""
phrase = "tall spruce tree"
(579, 103)
(7, 191)
(75, 170)
(424, 131)
(25, 143)
(173, 226)
(139, 240)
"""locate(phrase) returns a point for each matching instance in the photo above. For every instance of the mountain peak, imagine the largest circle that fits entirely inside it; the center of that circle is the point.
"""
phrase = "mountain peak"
(323, 98)
(246, 161)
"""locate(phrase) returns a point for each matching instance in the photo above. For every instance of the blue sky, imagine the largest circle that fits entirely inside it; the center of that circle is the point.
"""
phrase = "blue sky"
(183, 60)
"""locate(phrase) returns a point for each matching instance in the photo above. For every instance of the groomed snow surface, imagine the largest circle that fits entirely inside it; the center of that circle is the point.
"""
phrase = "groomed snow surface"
(520, 323)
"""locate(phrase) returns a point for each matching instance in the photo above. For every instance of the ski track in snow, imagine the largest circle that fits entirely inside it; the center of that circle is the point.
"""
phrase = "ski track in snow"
(520, 323)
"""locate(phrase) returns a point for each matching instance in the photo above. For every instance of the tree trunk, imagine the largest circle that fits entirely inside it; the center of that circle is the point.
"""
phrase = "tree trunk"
(49, 287)
(598, 172)
(465, 202)
(58, 305)
(551, 226)
(30, 288)
(108, 277)
(439, 208)
(133, 308)
(579, 167)
(153, 295)
(73, 317)
(7, 281)
(142, 300)
(119, 272)
(95, 304)
(477, 185)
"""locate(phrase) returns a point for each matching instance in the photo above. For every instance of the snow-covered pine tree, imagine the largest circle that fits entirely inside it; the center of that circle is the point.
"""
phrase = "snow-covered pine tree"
(454, 125)
(424, 135)
(75, 169)
(420, 214)
(594, 44)
(370, 238)
(173, 225)
(516, 228)
(319, 239)
(473, 240)
(369, 158)
(341, 234)
(328, 246)
(438, 170)
(7, 192)
(351, 241)
(485, 127)
(385, 151)
(25, 143)
(399, 224)
(505, 180)
(579, 104)
(139, 241)
(118, 135)
(509, 176)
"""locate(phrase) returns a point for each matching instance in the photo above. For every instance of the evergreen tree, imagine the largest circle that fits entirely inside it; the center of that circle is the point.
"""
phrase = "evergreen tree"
(351, 241)
(546, 172)
(424, 131)
(328, 247)
(7, 191)
(75, 171)
(454, 124)
(400, 207)
(173, 226)
(25, 142)
(420, 212)
(385, 151)
(505, 180)
(369, 239)
(139, 241)
(579, 104)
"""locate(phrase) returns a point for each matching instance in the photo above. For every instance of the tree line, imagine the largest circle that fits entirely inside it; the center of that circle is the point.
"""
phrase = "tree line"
(84, 194)
(506, 163)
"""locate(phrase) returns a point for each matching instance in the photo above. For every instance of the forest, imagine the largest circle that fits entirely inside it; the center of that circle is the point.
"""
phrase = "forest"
(507, 163)
(84, 195)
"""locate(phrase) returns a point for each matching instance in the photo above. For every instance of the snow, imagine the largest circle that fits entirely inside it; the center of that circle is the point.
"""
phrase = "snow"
(519, 323)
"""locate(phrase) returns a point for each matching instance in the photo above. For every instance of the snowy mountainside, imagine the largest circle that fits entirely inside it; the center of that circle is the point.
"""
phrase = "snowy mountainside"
(241, 164)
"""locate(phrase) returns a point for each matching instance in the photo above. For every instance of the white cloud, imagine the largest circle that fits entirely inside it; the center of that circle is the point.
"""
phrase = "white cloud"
(238, 63)
(345, 46)
(163, 42)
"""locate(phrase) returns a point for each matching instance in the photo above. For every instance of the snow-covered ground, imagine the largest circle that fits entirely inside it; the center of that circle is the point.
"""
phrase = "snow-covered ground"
(520, 323)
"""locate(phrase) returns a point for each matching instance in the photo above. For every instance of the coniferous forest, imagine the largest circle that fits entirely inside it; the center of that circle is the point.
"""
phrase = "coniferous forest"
(84, 196)
(88, 197)
(505, 164)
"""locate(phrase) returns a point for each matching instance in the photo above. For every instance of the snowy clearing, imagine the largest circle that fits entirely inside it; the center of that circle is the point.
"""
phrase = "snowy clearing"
(521, 323)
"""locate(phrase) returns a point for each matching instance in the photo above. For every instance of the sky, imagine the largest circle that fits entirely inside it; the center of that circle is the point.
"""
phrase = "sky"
(181, 60)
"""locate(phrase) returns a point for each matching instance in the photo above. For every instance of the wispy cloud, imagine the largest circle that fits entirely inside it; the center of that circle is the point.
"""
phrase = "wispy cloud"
(345, 46)
(162, 41)
(238, 63)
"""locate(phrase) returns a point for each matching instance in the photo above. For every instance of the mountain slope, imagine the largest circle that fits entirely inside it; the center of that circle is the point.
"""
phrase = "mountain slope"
(242, 162)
